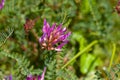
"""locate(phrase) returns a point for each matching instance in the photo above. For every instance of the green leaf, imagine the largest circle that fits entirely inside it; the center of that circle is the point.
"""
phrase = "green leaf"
(85, 62)
(88, 62)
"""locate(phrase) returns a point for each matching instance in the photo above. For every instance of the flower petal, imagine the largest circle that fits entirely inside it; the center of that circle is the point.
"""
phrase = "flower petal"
(61, 45)
(53, 27)
(43, 74)
(46, 26)
(67, 35)
(64, 37)
(29, 77)
(39, 77)
(2, 4)
(10, 77)
(64, 29)
(51, 30)
(59, 27)
(41, 39)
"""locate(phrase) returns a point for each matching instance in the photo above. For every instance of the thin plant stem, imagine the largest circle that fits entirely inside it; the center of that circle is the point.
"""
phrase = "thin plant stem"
(81, 52)
(65, 15)
(112, 57)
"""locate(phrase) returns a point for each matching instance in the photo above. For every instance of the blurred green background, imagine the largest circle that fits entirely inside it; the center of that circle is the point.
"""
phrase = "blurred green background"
(88, 20)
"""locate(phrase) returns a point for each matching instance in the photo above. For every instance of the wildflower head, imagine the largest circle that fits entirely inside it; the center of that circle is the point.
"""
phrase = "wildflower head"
(40, 77)
(54, 37)
(117, 8)
(29, 24)
(8, 77)
(2, 2)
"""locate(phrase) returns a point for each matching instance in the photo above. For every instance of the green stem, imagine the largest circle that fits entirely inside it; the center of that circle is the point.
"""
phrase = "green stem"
(112, 57)
(65, 15)
(77, 55)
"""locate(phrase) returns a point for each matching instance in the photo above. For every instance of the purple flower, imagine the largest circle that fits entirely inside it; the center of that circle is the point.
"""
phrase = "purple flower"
(117, 7)
(8, 77)
(53, 38)
(2, 2)
(30, 77)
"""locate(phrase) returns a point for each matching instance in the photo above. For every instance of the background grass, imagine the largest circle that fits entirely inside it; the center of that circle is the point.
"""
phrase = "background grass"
(88, 20)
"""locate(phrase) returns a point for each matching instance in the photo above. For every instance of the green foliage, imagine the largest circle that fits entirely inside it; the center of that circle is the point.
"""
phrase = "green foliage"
(51, 73)
(88, 20)
(66, 75)
(22, 65)
(113, 74)
(5, 35)
(88, 62)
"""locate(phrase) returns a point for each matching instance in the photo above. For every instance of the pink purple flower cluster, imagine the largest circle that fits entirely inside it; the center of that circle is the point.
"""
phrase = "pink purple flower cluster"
(2, 2)
(40, 77)
(53, 38)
